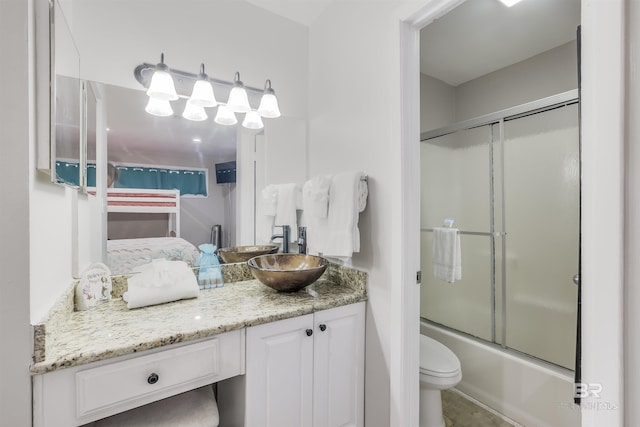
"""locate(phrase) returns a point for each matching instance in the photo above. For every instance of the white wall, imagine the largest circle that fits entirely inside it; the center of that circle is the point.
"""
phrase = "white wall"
(540, 76)
(16, 155)
(227, 36)
(437, 103)
(354, 125)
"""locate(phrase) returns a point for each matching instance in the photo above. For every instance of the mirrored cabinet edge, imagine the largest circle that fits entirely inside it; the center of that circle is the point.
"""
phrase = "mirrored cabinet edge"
(62, 97)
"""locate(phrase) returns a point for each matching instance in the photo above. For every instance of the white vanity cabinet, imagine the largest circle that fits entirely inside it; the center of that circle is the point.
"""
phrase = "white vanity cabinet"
(307, 370)
(81, 394)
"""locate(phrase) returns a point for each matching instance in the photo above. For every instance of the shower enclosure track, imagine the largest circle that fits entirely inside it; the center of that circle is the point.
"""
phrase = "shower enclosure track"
(523, 110)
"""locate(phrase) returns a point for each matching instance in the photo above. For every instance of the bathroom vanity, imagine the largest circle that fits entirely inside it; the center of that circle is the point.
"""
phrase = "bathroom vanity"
(278, 358)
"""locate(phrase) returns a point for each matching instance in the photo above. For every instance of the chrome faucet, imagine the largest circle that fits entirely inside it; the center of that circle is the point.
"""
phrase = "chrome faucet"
(286, 232)
(302, 240)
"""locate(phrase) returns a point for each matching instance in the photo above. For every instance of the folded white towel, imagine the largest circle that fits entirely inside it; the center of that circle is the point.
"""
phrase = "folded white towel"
(315, 196)
(196, 408)
(343, 235)
(161, 281)
(446, 256)
(286, 210)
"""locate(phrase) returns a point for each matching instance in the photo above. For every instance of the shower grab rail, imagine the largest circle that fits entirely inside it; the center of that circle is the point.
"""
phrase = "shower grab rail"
(474, 233)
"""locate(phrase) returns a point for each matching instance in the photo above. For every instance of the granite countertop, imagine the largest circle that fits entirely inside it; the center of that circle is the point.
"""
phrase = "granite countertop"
(71, 338)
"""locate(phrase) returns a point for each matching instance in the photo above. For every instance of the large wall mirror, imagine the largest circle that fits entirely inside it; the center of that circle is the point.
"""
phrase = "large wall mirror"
(117, 132)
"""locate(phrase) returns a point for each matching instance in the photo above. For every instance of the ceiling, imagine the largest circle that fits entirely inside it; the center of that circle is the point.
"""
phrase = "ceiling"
(482, 36)
(301, 11)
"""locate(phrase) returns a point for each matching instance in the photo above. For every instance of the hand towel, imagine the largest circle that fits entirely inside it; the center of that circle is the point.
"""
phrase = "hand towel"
(446, 256)
(315, 196)
(161, 281)
(196, 408)
(315, 202)
(266, 213)
(286, 210)
(343, 235)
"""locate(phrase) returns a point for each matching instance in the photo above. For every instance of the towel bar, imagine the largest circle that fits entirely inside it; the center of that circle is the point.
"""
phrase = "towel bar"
(474, 233)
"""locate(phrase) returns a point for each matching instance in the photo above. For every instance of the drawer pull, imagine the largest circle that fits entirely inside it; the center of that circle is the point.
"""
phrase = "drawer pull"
(323, 327)
(153, 378)
(309, 332)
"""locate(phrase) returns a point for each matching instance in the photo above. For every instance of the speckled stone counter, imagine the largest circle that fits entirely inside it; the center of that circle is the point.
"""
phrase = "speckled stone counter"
(69, 338)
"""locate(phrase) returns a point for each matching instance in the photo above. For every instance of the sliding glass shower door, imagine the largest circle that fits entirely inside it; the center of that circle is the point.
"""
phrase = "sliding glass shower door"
(512, 186)
(542, 205)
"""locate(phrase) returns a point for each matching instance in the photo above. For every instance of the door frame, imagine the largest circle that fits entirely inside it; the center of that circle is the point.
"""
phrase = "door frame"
(602, 204)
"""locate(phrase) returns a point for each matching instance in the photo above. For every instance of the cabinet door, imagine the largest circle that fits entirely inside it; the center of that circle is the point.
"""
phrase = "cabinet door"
(338, 388)
(279, 373)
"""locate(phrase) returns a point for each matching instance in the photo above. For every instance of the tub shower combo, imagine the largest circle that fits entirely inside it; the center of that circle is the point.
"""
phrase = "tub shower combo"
(511, 182)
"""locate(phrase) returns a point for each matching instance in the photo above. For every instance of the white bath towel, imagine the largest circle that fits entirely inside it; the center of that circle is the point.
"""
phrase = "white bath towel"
(343, 235)
(161, 281)
(196, 408)
(289, 196)
(446, 256)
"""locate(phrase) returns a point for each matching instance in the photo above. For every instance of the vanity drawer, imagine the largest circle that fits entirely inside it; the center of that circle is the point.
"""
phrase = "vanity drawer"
(110, 385)
(81, 394)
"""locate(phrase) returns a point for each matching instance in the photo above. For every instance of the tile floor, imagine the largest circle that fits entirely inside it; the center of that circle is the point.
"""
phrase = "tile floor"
(461, 412)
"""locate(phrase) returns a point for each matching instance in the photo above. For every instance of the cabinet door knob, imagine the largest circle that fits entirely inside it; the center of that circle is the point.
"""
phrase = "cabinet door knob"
(323, 327)
(309, 332)
(153, 378)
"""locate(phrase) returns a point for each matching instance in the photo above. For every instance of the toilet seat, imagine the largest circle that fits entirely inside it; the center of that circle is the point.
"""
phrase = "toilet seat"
(436, 360)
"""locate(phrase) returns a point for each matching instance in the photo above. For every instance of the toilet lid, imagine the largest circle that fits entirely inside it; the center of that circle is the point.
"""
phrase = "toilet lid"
(436, 359)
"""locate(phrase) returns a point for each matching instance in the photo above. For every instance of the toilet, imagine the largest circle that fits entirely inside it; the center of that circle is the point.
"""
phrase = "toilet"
(439, 370)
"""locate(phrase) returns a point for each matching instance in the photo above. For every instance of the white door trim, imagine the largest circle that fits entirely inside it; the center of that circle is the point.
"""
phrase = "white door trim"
(405, 390)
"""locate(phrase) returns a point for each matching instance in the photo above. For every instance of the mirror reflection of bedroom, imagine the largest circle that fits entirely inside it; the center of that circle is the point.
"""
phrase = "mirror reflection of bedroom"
(147, 153)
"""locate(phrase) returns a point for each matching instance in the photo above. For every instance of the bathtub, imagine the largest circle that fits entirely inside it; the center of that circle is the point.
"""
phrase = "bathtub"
(528, 391)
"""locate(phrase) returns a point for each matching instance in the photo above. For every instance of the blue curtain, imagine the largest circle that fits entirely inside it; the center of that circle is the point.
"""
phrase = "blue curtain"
(68, 172)
(192, 182)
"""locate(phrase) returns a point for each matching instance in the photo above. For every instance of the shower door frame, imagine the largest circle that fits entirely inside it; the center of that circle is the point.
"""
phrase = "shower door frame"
(499, 118)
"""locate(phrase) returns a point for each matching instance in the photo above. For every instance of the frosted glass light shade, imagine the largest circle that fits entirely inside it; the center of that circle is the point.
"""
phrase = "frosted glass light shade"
(252, 120)
(509, 3)
(162, 86)
(194, 112)
(238, 100)
(269, 106)
(202, 94)
(225, 116)
(158, 107)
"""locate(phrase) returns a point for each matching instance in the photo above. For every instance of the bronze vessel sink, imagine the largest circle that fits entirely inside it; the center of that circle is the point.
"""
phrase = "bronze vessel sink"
(287, 272)
(245, 253)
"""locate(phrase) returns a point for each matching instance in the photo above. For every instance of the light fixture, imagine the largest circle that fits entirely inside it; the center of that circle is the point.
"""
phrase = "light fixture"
(238, 101)
(252, 120)
(159, 107)
(225, 116)
(194, 112)
(509, 3)
(162, 86)
(196, 140)
(269, 103)
(202, 94)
